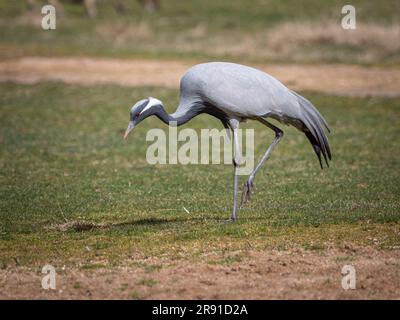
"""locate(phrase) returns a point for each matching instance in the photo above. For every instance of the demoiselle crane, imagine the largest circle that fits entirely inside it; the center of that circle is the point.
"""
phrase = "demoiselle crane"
(234, 93)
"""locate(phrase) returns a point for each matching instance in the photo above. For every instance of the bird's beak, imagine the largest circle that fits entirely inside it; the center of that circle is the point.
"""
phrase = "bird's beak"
(131, 125)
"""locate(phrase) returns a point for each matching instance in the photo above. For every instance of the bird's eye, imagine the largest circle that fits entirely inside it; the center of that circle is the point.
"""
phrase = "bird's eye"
(137, 115)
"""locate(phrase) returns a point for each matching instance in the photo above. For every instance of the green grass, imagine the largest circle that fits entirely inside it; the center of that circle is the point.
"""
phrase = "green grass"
(62, 158)
(198, 29)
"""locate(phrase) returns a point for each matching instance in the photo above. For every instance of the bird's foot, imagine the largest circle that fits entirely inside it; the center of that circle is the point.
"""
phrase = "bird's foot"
(248, 188)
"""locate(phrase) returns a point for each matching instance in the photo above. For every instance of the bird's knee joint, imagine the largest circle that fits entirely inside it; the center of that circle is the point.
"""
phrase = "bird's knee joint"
(236, 162)
(279, 134)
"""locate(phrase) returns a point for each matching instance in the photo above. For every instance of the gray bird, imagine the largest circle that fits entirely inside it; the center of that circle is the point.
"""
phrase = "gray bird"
(234, 93)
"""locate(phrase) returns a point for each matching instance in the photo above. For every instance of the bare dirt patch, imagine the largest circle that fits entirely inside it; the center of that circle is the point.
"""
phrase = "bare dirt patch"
(295, 274)
(346, 80)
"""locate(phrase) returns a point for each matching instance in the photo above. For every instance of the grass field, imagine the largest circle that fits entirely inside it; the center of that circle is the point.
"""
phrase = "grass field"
(64, 163)
(307, 31)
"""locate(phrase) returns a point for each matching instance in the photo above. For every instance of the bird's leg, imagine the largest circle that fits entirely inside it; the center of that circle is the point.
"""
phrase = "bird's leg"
(248, 186)
(236, 163)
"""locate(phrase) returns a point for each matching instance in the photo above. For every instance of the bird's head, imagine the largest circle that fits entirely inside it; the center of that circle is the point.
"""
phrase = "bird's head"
(140, 111)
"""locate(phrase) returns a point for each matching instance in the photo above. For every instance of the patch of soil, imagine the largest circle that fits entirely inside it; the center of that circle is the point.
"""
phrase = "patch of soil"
(346, 80)
(295, 274)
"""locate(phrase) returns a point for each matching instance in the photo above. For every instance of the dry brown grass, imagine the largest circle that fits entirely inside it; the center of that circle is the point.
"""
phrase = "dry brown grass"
(373, 41)
(305, 41)
(293, 41)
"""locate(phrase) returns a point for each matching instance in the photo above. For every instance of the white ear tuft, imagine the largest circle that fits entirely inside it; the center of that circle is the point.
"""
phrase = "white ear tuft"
(152, 102)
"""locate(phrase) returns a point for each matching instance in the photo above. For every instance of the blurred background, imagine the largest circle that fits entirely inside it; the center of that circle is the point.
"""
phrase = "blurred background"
(257, 31)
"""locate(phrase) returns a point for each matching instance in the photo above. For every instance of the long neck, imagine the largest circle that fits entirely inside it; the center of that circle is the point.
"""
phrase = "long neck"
(178, 117)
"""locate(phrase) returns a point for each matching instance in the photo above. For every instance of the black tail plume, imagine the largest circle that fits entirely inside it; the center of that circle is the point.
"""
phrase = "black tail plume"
(313, 124)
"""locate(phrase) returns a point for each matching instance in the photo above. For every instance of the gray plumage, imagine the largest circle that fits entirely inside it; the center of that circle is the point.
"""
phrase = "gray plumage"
(234, 93)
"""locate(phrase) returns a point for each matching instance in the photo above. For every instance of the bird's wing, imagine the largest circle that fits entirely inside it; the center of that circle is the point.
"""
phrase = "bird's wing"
(235, 89)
